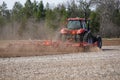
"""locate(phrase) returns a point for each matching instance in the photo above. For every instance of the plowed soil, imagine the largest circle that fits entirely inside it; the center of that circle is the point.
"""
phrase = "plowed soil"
(99, 65)
(104, 65)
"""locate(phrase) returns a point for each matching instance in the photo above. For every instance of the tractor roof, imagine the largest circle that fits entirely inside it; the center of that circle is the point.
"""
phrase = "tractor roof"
(79, 19)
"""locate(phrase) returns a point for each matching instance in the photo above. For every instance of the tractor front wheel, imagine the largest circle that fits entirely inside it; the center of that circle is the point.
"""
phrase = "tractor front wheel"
(99, 40)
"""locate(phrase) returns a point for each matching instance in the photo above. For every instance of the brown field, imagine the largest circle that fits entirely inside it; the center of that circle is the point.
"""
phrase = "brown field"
(104, 65)
(19, 48)
(99, 65)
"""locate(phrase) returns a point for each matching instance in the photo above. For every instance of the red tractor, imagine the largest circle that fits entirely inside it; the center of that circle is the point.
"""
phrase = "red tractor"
(78, 31)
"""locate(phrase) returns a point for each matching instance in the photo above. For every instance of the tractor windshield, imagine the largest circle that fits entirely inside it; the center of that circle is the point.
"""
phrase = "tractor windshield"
(72, 24)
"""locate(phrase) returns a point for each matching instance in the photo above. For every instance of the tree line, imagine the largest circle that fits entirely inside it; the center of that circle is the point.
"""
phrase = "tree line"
(104, 15)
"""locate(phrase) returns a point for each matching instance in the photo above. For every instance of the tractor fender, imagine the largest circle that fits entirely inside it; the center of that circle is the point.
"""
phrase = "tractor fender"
(80, 31)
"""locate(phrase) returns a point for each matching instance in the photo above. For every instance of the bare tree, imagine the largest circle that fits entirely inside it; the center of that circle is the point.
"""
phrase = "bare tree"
(106, 10)
(84, 5)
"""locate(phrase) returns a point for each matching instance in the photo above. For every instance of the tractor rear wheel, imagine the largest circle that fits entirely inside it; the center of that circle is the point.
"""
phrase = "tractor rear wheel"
(88, 38)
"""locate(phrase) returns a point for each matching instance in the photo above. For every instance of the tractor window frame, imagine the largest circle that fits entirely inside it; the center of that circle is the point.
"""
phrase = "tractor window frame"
(84, 24)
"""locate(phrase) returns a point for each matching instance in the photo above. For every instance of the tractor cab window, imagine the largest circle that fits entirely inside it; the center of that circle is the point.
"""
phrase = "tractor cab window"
(74, 24)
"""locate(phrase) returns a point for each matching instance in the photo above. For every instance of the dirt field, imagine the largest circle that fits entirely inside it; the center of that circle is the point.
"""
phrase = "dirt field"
(103, 65)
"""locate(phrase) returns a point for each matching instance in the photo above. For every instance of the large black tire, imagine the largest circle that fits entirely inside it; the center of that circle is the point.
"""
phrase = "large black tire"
(88, 38)
(99, 42)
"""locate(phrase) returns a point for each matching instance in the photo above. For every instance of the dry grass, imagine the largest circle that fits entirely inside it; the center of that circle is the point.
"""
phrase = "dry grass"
(113, 42)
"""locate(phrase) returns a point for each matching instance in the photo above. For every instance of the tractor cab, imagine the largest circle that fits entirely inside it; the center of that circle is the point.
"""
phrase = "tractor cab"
(78, 23)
